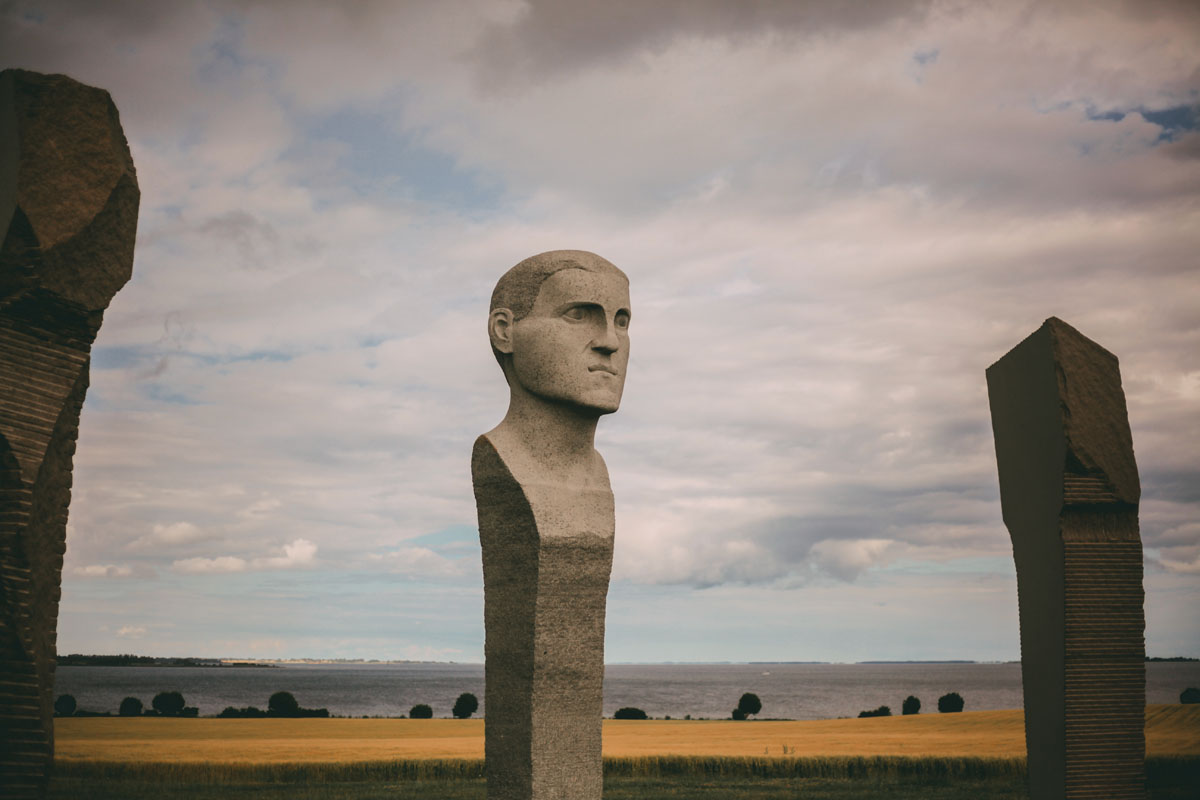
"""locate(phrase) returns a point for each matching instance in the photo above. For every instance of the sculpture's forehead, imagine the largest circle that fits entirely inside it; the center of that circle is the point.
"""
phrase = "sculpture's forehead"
(607, 289)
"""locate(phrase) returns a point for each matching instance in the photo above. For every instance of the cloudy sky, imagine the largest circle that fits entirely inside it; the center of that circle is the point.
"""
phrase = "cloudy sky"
(834, 218)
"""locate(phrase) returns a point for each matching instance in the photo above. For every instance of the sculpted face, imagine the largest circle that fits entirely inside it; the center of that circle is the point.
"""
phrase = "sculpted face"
(573, 347)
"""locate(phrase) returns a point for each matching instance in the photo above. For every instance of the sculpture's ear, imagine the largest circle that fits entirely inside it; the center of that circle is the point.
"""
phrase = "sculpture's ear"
(500, 323)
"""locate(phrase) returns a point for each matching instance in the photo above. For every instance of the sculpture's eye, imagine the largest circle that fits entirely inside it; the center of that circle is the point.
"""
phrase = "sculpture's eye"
(622, 320)
(577, 313)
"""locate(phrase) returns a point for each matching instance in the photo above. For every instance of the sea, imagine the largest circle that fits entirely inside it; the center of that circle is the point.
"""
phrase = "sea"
(678, 691)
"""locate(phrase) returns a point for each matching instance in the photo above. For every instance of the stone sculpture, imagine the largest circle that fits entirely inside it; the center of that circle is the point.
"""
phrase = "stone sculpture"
(68, 209)
(559, 328)
(1069, 492)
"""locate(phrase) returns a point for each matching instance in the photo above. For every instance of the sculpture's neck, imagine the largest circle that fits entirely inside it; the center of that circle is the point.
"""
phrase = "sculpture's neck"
(549, 443)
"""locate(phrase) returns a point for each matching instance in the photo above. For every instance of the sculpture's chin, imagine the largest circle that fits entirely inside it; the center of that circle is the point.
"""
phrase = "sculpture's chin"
(595, 408)
(595, 403)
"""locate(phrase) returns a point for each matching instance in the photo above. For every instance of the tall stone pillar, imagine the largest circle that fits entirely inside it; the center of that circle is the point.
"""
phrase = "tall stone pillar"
(559, 328)
(1069, 492)
(68, 210)
(547, 555)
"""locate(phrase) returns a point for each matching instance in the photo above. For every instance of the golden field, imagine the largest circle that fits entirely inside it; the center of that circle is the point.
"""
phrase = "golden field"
(1170, 730)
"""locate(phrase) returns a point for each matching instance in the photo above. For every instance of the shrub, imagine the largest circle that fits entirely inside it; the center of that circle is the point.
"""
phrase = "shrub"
(130, 707)
(65, 705)
(629, 712)
(1190, 695)
(283, 704)
(249, 712)
(738, 714)
(882, 711)
(466, 705)
(169, 704)
(950, 703)
(912, 705)
(749, 704)
(420, 711)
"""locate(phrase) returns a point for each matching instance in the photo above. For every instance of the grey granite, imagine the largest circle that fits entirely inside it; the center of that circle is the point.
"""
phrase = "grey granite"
(558, 326)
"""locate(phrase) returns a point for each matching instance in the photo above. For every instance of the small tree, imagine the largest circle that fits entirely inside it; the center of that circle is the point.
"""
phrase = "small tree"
(65, 705)
(912, 705)
(1190, 695)
(283, 704)
(130, 707)
(749, 705)
(950, 703)
(738, 714)
(466, 705)
(420, 711)
(629, 712)
(169, 704)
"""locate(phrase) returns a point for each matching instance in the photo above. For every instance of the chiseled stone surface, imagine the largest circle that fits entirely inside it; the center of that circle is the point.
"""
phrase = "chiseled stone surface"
(559, 328)
(1069, 491)
(68, 209)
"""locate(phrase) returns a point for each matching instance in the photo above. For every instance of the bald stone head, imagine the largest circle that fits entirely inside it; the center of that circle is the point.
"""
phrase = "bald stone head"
(559, 326)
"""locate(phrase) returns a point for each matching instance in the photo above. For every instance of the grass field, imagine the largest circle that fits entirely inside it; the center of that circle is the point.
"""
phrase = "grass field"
(978, 755)
(696, 778)
(1170, 730)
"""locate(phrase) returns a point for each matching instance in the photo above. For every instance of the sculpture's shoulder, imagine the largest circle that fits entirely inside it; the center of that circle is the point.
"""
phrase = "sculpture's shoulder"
(501, 455)
(487, 464)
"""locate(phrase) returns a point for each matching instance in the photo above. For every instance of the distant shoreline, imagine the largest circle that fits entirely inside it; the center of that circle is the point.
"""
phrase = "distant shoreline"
(78, 660)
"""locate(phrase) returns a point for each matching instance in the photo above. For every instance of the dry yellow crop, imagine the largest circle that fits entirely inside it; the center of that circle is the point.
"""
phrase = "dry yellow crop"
(1173, 729)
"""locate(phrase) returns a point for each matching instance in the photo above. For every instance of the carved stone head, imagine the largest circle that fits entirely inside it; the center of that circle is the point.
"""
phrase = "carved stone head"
(559, 326)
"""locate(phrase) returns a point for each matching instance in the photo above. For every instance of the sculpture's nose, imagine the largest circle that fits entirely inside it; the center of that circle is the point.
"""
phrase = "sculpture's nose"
(607, 341)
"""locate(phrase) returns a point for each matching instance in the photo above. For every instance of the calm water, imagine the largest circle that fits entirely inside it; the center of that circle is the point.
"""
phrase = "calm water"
(790, 691)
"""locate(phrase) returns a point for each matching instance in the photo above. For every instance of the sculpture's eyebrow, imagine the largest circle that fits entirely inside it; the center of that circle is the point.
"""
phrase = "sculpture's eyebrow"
(567, 306)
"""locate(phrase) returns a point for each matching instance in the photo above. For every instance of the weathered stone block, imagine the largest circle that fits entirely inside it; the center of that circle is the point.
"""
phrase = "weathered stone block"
(1069, 493)
(68, 210)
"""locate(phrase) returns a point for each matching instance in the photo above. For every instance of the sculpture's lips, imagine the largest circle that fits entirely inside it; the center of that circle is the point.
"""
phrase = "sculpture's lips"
(609, 370)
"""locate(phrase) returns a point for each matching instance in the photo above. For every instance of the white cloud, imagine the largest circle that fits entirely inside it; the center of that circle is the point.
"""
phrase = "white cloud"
(201, 566)
(422, 563)
(299, 553)
(168, 536)
(177, 533)
(103, 571)
(846, 559)
(260, 507)
(131, 632)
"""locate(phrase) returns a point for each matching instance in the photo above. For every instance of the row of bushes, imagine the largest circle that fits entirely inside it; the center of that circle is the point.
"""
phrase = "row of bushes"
(950, 703)
(164, 704)
(284, 704)
(280, 704)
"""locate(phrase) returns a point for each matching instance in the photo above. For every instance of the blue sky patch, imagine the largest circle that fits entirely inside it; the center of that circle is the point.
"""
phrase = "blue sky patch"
(383, 160)
(1174, 121)
(927, 56)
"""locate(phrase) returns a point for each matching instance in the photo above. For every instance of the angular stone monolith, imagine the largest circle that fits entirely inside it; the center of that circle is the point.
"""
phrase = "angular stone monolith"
(559, 328)
(68, 210)
(1069, 492)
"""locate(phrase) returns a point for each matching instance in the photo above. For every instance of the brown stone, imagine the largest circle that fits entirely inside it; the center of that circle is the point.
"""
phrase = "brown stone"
(559, 328)
(1069, 492)
(68, 209)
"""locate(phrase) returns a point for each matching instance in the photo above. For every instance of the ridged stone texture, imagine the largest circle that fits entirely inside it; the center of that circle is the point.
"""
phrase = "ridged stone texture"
(1069, 492)
(68, 209)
